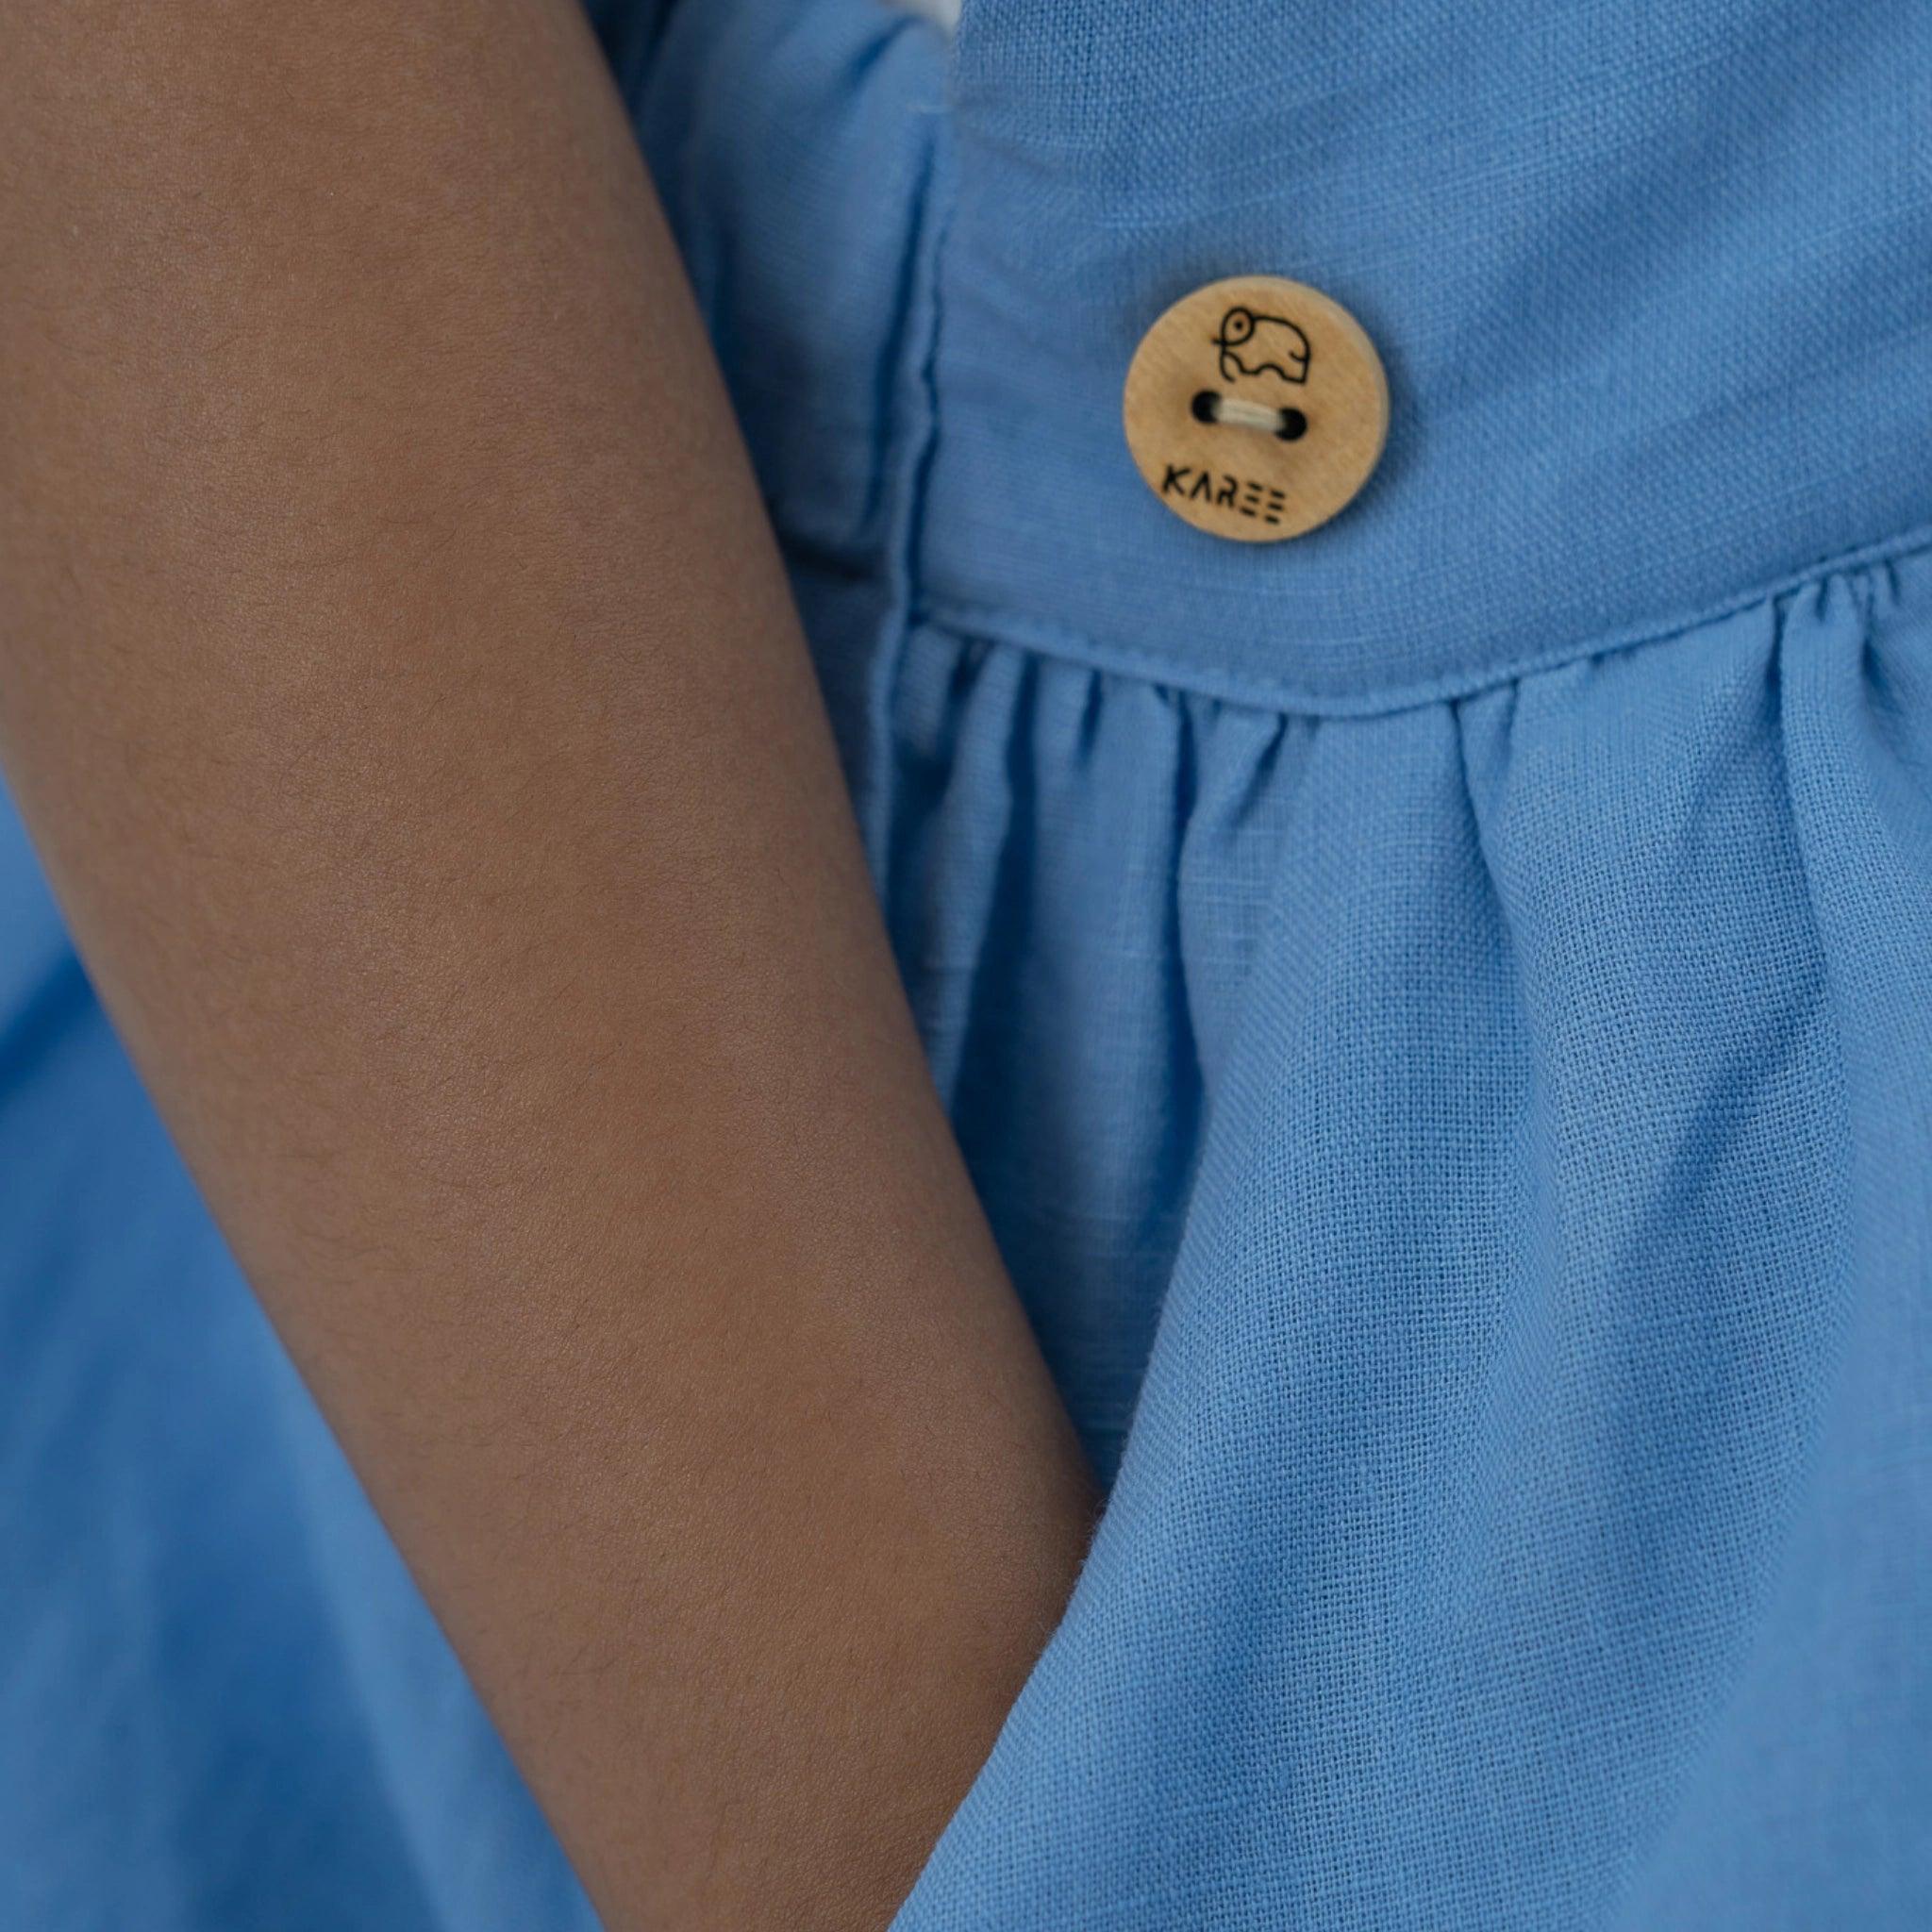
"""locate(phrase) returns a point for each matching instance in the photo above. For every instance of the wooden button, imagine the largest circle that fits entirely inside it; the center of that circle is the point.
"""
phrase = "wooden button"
(1256, 408)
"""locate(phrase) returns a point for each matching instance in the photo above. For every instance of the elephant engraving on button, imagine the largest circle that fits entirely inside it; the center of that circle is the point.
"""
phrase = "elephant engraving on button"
(1252, 343)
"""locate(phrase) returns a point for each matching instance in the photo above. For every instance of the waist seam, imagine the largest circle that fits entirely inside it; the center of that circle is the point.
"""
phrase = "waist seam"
(998, 624)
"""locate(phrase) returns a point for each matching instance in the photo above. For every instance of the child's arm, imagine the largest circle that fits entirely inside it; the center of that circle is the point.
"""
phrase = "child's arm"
(398, 676)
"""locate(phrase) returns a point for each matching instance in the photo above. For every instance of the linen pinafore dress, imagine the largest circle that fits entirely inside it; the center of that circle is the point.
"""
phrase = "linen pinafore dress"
(1439, 1011)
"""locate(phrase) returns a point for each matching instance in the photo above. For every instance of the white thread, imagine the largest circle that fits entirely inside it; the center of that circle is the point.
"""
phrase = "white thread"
(1247, 415)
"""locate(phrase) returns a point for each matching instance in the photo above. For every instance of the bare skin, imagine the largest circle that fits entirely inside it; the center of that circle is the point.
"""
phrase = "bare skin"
(398, 678)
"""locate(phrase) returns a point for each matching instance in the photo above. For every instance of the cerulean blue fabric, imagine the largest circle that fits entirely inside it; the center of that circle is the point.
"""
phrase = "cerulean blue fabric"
(1440, 1011)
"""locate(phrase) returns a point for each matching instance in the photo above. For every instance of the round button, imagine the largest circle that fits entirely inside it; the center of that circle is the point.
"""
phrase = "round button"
(1256, 408)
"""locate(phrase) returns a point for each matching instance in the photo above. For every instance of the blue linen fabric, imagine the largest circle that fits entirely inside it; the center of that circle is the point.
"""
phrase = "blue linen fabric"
(1439, 1012)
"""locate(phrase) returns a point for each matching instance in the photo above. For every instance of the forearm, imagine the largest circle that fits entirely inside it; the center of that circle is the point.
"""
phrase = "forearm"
(400, 685)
